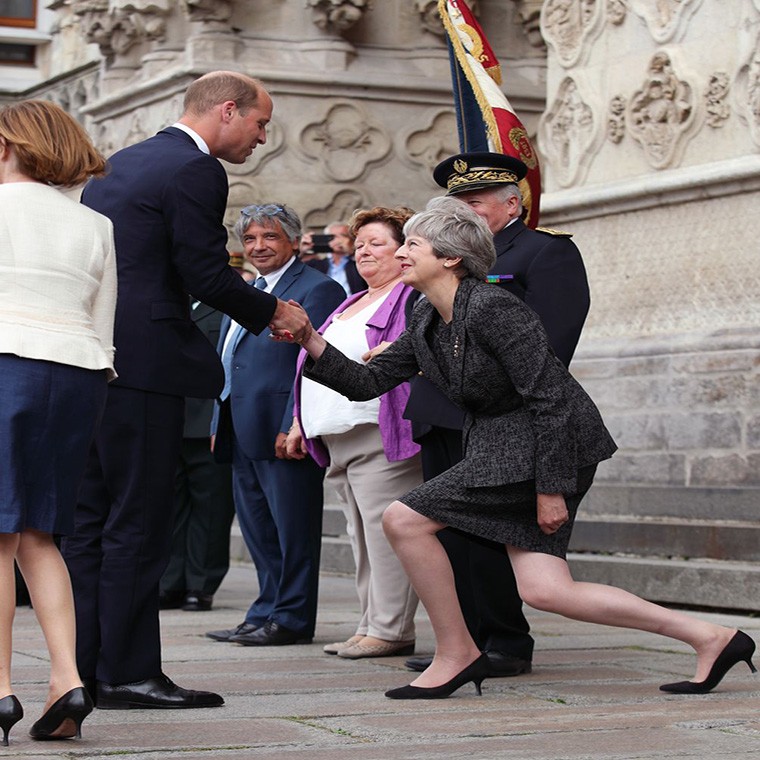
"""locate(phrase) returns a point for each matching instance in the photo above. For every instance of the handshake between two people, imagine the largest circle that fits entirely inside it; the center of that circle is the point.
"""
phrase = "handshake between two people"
(290, 324)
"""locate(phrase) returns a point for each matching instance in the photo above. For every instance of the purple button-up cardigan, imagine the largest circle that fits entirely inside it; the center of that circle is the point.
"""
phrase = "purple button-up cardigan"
(387, 323)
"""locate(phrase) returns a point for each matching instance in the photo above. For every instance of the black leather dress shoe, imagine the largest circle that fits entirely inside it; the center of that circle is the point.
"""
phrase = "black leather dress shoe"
(228, 633)
(171, 600)
(505, 665)
(500, 665)
(195, 601)
(271, 634)
(152, 693)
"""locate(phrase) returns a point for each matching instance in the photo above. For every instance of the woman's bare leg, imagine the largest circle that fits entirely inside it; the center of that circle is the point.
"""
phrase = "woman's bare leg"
(8, 546)
(545, 583)
(49, 585)
(425, 561)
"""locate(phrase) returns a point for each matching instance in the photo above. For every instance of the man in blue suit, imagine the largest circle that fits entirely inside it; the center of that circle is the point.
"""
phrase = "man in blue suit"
(166, 197)
(278, 500)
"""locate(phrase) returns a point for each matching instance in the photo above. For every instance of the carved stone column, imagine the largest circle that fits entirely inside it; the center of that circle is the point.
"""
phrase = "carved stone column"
(212, 37)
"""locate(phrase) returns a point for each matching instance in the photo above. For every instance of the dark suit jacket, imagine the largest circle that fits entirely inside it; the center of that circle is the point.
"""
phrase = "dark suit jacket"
(198, 411)
(260, 404)
(356, 282)
(526, 416)
(167, 199)
(548, 274)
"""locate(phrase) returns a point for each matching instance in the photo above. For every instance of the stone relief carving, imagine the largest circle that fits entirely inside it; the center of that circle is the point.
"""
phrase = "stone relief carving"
(274, 145)
(568, 26)
(665, 18)
(118, 26)
(428, 146)
(430, 18)
(568, 133)
(616, 119)
(716, 96)
(207, 11)
(73, 94)
(337, 15)
(345, 142)
(747, 92)
(342, 205)
(660, 113)
(529, 13)
(616, 10)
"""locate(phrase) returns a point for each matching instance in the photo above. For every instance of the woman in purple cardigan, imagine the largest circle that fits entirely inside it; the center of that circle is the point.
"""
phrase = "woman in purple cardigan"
(367, 446)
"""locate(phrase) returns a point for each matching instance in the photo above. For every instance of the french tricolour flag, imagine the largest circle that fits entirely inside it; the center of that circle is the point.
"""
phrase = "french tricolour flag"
(485, 119)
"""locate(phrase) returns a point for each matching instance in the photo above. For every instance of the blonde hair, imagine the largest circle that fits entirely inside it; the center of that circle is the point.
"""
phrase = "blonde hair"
(49, 145)
(219, 86)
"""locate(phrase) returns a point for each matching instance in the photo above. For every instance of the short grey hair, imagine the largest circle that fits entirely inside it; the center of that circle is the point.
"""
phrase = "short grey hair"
(502, 193)
(265, 215)
(454, 230)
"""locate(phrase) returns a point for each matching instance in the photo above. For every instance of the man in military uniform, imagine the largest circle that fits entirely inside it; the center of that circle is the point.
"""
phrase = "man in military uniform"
(543, 268)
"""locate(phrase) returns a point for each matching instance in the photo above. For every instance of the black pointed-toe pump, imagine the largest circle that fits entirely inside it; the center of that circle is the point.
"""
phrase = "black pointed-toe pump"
(739, 649)
(63, 720)
(476, 672)
(11, 713)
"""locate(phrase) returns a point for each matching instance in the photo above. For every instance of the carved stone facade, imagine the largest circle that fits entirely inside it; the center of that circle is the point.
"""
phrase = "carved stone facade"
(663, 210)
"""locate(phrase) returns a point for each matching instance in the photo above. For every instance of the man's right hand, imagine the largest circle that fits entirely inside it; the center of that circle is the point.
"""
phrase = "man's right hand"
(290, 317)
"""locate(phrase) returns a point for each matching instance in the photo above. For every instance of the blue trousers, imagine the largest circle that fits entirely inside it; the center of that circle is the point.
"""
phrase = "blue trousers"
(279, 506)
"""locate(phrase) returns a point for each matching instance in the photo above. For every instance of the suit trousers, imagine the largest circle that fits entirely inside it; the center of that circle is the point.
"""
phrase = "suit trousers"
(279, 506)
(485, 582)
(122, 535)
(203, 512)
(367, 483)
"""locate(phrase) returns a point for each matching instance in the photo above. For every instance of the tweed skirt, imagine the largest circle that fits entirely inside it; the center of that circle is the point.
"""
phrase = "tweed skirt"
(48, 416)
(504, 513)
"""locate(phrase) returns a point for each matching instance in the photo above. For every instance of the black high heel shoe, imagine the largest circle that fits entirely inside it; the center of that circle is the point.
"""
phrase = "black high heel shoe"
(739, 649)
(64, 718)
(11, 713)
(476, 671)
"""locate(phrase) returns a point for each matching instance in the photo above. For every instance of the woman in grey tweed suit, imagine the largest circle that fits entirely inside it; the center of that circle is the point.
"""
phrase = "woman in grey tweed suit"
(532, 440)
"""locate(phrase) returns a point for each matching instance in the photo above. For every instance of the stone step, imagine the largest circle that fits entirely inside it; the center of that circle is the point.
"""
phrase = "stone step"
(667, 537)
(720, 585)
(692, 503)
(646, 547)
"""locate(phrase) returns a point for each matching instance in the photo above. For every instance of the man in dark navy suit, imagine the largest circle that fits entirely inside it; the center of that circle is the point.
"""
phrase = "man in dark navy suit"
(166, 197)
(543, 268)
(278, 499)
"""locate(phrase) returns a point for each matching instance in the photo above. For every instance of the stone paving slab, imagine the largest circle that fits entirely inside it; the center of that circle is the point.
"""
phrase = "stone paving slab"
(593, 695)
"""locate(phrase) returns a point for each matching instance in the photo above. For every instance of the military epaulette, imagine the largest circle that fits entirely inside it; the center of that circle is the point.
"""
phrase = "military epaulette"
(550, 231)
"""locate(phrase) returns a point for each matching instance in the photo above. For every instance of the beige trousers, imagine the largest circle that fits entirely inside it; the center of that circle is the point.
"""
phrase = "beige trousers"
(367, 483)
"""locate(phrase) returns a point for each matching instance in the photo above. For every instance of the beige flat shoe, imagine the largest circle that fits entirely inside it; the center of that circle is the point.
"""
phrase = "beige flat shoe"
(386, 649)
(338, 645)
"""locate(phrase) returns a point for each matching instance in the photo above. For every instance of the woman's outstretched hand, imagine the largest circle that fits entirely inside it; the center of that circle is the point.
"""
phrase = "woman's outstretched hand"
(552, 512)
(305, 336)
(290, 323)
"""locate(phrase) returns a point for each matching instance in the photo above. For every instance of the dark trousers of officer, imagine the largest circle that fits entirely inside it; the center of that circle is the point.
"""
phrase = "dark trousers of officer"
(485, 582)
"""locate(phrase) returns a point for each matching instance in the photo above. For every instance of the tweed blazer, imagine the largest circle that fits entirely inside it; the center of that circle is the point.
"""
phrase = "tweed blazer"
(527, 418)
